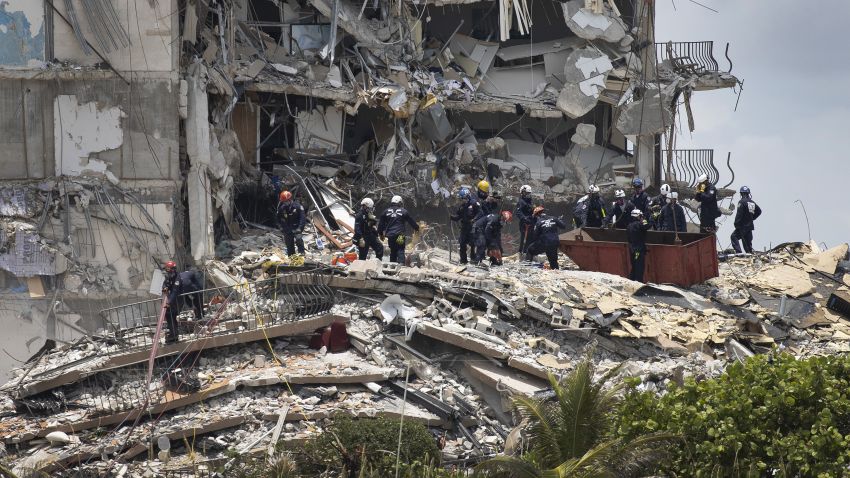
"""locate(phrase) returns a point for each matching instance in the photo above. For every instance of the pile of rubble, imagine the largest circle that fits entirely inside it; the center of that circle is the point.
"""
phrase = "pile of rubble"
(456, 341)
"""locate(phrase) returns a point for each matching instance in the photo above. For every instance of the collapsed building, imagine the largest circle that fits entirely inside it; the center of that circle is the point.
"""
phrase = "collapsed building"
(134, 133)
(139, 132)
(282, 353)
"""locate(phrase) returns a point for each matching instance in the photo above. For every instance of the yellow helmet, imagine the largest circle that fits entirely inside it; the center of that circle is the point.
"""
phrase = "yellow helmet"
(484, 186)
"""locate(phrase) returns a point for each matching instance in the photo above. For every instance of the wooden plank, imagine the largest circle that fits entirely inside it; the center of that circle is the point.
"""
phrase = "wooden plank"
(328, 234)
(36, 287)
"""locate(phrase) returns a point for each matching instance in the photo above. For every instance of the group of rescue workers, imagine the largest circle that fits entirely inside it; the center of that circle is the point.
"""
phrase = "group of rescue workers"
(481, 225)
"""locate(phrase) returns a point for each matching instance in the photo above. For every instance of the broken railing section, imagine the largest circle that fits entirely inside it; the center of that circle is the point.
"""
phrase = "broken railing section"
(235, 308)
(689, 58)
(685, 166)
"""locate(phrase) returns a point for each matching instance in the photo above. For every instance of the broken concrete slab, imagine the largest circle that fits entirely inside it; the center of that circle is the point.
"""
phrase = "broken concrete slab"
(647, 116)
(827, 261)
(585, 135)
(590, 25)
(585, 71)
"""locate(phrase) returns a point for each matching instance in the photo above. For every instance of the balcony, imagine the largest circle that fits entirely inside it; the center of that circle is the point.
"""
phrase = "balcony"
(689, 164)
(694, 60)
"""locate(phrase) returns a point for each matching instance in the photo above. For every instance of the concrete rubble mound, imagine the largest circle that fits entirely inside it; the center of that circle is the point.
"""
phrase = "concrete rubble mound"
(467, 339)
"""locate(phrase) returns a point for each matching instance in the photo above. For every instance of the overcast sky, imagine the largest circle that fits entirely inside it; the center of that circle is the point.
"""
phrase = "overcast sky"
(789, 136)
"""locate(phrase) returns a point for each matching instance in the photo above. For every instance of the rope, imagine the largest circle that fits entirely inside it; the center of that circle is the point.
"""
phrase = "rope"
(401, 421)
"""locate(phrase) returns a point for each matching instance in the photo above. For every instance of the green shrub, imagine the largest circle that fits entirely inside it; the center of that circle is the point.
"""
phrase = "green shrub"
(348, 444)
(772, 415)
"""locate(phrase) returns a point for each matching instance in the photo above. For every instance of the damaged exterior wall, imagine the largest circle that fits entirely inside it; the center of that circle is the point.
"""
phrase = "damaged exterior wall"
(22, 34)
(90, 151)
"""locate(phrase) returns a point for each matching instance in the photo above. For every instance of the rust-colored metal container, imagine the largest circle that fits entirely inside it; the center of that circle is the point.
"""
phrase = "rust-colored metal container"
(607, 250)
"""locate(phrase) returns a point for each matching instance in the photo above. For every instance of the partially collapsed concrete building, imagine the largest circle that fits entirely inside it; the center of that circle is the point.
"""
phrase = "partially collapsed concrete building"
(137, 132)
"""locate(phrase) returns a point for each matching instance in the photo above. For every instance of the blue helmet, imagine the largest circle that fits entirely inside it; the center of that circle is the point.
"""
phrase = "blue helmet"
(463, 193)
(637, 182)
(745, 190)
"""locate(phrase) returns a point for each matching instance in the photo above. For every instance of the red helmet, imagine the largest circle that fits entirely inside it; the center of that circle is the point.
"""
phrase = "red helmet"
(507, 216)
(285, 196)
(170, 266)
(538, 210)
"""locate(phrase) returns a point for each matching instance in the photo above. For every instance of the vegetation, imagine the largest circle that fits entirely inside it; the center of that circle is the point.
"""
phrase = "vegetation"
(769, 416)
(572, 435)
(350, 449)
(367, 445)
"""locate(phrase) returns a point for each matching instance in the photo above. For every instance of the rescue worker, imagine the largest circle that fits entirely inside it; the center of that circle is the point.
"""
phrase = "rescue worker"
(180, 288)
(672, 216)
(595, 214)
(656, 204)
(640, 199)
(291, 219)
(546, 236)
(748, 212)
(366, 231)
(488, 202)
(636, 233)
(620, 217)
(392, 227)
(483, 193)
(580, 211)
(524, 210)
(466, 213)
(488, 237)
(706, 195)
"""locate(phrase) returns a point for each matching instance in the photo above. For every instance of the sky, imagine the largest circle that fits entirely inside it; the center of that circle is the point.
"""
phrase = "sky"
(789, 134)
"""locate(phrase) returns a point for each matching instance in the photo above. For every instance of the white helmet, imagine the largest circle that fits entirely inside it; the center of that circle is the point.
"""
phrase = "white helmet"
(395, 200)
(674, 195)
(368, 203)
(665, 189)
(702, 178)
(619, 193)
(593, 189)
(525, 189)
(637, 212)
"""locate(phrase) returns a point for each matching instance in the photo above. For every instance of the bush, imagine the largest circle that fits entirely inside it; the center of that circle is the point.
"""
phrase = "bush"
(350, 445)
(772, 415)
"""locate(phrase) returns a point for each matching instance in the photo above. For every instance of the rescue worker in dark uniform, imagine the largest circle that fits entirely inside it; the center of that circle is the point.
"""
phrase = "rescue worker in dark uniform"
(524, 210)
(392, 227)
(748, 212)
(706, 195)
(636, 233)
(656, 204)
(640, 200)
(672, 216)
(620, 217)
(546, 237)
(180, 288)
(366, 231)
(488, 237)
(291, 218)
(595, 213)
(466, 213)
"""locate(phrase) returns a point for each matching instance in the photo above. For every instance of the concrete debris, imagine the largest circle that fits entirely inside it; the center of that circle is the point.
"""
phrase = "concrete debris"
(647, 116)
(107, 178)
(514, 325)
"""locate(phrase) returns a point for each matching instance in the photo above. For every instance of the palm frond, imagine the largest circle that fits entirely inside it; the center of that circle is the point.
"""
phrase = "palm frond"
(542, 431)
(506, 467)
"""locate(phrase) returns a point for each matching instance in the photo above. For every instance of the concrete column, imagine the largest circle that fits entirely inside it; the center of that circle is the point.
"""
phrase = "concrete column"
(198, 182)
(645, 147)
(645, 160)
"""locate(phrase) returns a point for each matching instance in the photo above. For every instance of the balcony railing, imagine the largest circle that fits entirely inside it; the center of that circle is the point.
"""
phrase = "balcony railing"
(689, 164)
(692, 57)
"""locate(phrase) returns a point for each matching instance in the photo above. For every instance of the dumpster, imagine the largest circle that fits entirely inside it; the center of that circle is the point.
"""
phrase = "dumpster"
(692, 261)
